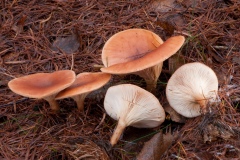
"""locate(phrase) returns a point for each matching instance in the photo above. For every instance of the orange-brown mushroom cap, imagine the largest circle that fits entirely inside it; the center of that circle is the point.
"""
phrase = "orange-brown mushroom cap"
(85, 82)
(128, 45)
(160, 54)
(41, 85)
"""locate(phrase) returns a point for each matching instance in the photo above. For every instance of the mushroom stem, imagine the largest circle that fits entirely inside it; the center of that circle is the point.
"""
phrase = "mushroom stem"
(53, 103)
(79, 99)
(151, 75)
(117, 132)
(151, 85)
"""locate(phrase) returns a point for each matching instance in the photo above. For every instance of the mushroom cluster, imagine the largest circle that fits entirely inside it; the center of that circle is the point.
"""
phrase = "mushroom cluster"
(137, 51)
(59, 85)
(84, 84)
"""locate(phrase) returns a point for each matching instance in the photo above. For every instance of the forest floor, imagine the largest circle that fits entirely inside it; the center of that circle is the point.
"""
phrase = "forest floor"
(46, 36)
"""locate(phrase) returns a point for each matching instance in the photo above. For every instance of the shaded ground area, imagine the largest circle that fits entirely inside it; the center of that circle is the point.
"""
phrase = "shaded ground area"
(31, 35)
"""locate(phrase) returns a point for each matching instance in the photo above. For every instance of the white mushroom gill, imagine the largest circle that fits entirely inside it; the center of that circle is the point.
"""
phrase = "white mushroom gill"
(132, 106)
(191, 87)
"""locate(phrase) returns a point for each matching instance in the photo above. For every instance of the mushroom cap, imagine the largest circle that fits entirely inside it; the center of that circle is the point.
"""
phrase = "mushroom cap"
(157, 56)
(189, 84)
(41, 85)
(128, 45)
(84, 83)
(136, 106)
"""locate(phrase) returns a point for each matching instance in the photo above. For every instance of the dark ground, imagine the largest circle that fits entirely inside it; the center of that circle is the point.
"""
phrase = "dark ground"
(29, 33)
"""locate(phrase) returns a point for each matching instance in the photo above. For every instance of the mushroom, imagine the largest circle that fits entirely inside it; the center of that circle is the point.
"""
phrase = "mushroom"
(140, 52)
(132, 106)
(84, 84)
(43, 85)
(190, 88)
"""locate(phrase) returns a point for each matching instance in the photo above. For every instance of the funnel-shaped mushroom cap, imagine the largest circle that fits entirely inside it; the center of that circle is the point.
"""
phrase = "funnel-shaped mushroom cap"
(191, 87)
(142, 61)
(84, 84)
(128, 45)
(42, 85)
(132, 106)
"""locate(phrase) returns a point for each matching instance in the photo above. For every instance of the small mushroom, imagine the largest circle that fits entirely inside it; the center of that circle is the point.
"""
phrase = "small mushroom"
(84, 84)
(140, 52)
(132, 106)
(190, 88)
(43, 85)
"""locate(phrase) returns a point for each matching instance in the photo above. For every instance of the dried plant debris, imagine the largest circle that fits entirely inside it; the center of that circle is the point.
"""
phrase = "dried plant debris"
(174, 116)
(68, 45)
(18, 27)
(164, 5)
(87, 151)
(175, 62)
(156, 146)
(204, 136)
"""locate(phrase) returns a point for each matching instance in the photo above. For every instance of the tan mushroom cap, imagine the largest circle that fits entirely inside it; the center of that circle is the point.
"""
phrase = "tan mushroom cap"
(160, 54)
(128, 45)
(85, 82)
(41, 85)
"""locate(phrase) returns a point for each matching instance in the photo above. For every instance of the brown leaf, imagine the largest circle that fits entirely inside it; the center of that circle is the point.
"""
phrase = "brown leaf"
(156, 146)
(174, 62)
(190, 3)
(174, 115)
(68, 44)
(167, 27)
(217, 130)
(164, 5)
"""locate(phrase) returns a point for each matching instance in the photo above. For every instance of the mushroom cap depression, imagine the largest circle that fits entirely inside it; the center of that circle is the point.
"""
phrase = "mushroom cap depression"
(141, 61)
(190, 84)
(128, 45)
(84, 83)
(41, 85)
(134, 106)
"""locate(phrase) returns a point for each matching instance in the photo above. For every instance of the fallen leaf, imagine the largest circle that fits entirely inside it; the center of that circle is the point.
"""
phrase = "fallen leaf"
(217, 129)
(68, 44)
(190, 3)
(172, 23)
(166, 26)
(174, 62)
(155, 147)
(174, 115)
(164, 5)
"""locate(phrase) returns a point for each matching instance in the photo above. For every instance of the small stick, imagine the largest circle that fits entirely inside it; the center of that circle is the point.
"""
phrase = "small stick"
(101, 122)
